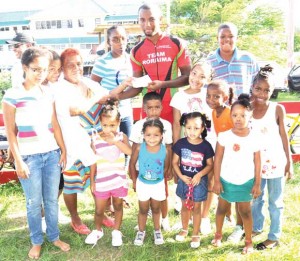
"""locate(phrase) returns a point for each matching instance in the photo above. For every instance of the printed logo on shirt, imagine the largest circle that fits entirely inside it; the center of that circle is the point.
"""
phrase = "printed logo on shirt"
(191, 160)
(157, 57)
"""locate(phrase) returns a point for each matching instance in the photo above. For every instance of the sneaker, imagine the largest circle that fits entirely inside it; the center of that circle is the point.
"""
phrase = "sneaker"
(116, 238)
(236, 235)
(44, 225)
(165, 224)
(93, 237)
(139, 238)
(158, 238)
(205, 227)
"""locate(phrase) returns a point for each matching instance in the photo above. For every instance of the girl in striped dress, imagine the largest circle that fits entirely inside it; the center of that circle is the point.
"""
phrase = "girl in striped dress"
(110, 178)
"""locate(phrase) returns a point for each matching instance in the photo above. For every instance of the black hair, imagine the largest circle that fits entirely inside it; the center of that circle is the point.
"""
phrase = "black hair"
(152, 7)
(153, 123)
(55, 55)
(32, 53)
(228, 25)
(206, 123)
(265, 73)
(110, 110)
(243, 100)
(151, 96)
(223, 85)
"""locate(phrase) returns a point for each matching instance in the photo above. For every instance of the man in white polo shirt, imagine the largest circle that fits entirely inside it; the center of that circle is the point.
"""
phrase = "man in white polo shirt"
(20, 42)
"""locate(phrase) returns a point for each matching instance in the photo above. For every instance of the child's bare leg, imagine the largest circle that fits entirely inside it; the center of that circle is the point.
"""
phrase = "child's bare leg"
(185, 218)
(156, 211)
(99, 212)
(164, 208)
(118, 207)
(210, 196)
(239, 220)
(244, 210)
(196, 219)
(142, 216)
(222, 209)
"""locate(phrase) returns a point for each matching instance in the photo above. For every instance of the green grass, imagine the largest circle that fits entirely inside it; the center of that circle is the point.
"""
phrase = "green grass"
(287, 96)
(15, 243)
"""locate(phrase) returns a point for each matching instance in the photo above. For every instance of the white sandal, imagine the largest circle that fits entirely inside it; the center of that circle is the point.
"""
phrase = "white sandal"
(181, 238)
(195, 244)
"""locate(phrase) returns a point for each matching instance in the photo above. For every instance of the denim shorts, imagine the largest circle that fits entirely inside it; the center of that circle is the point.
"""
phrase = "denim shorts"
(199, 193)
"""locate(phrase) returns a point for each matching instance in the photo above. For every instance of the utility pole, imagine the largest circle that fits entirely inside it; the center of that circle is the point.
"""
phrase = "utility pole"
(168, 17)
(290, 33)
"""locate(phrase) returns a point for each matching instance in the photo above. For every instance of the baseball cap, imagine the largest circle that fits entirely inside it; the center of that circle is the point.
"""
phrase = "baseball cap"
(21, 38)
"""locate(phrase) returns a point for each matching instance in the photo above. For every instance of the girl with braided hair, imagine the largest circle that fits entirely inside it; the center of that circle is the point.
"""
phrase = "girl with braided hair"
(268, 119)
(110, 178)
(192, 161)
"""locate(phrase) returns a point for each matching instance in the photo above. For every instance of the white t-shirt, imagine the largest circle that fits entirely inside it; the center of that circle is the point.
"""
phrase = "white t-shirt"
(137, 136)
(76, 138)
(237, 166)
(187, 103)
(33, 118)
(17, 74)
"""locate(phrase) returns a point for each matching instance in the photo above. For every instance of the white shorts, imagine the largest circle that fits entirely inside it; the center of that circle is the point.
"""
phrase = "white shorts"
(147, 191)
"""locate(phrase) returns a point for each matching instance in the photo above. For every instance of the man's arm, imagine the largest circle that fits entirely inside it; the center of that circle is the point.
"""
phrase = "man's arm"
(180, 81)
(131, 92)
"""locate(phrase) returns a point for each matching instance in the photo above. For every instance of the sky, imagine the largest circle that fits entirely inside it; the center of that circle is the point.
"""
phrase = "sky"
(17, 5)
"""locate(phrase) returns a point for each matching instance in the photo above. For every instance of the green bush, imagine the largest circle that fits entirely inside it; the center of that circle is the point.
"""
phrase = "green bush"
(5, 82)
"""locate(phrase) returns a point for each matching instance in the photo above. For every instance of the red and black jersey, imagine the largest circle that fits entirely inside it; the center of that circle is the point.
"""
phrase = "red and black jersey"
(160, 61)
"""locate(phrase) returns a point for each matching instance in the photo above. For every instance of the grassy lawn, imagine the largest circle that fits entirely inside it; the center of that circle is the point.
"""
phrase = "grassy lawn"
(15, 243)
(287, 96)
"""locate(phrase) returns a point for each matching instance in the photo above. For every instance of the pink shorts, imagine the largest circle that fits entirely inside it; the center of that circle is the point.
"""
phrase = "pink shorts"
(116, 193)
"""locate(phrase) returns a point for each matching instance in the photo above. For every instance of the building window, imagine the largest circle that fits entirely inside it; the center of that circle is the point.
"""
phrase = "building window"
(58, 23)
(48, 24)
(80, 23)
(97, 21)
(1, 48)
(24, 27)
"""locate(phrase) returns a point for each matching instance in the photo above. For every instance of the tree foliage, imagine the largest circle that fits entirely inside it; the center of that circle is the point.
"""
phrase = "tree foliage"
(261, 27)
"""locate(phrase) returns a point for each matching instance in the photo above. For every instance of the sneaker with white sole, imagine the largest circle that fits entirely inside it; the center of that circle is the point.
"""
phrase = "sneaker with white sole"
(205, 227)
(139, 238)
(165, 224)
(116, 238)
(236, 235)
(93, 237)
(158, 237)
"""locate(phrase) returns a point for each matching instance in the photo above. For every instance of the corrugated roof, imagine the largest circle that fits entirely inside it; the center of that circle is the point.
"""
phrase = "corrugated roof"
(121, 18)
(71, 8)
(12, 23)
(16, 16)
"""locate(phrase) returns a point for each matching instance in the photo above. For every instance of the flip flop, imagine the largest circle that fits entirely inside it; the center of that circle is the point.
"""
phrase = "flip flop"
(108, 222)
(262, 246)
(81, 229)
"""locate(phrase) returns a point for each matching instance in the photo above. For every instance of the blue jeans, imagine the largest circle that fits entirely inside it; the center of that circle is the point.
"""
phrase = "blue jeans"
(275, 199)
(126, 125)
(42, 187)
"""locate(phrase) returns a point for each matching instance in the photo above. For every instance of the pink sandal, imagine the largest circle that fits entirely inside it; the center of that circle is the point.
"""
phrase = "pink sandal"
(81, 229)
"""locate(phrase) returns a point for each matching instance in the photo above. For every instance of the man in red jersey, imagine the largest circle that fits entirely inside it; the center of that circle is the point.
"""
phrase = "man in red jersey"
(160, 56)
